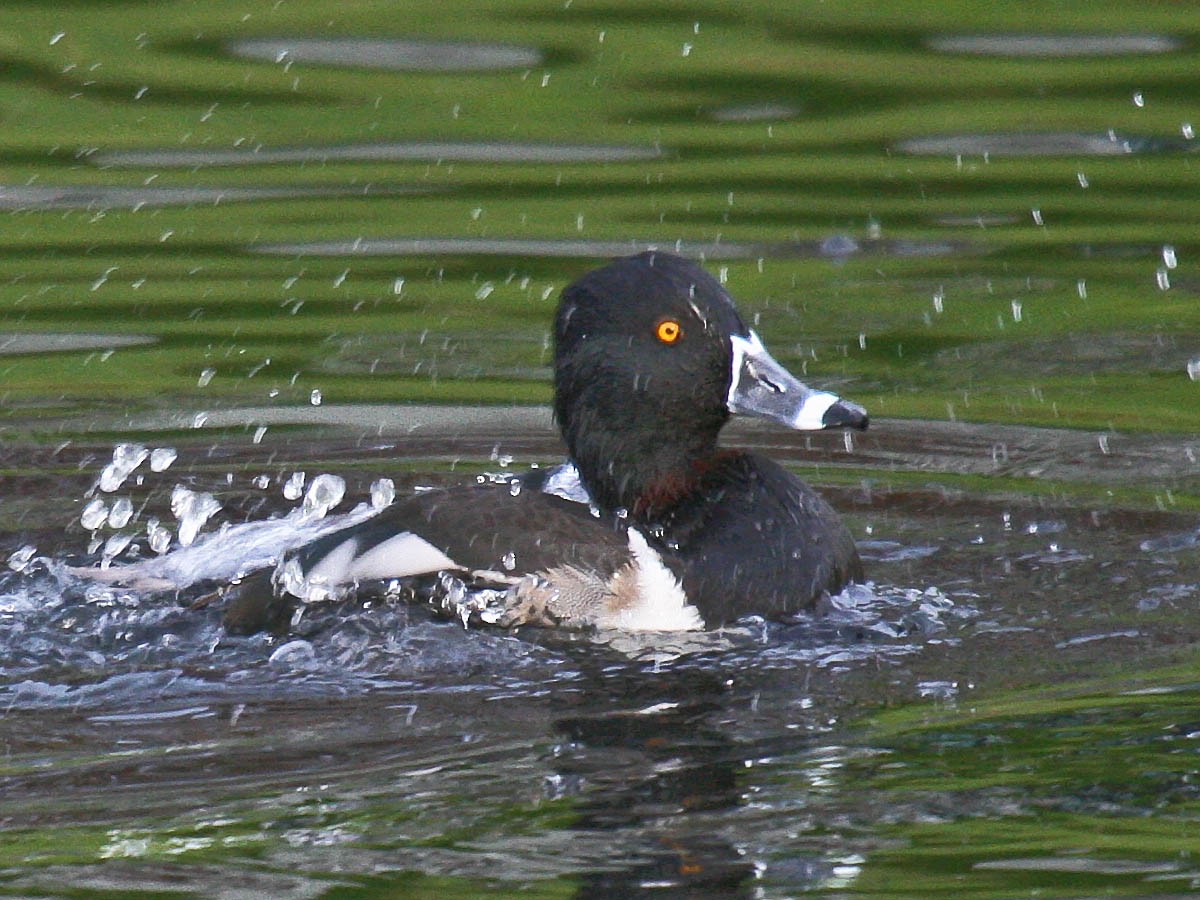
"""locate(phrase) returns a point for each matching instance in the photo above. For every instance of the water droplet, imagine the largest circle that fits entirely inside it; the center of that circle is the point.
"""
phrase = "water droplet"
(1083, 182)
(341, 278)
(1168, 256)
(315, 397)
(1139, 99)
(161, 458)
(1187, 131)
(325, 492)
(114, 547)
(1163, 279)
(259, 433)
(485, 290)
(1193, 369)
(1102, 440)
(862, 340)
(20, 560)
(514, 487)
(99, 282)
(1081, 289)
(939, 300)
(121, 513)
(199, 419)
(398, 286)
(159, 535)
(57, 37)
(687, 50)
(126, 458)
(297, 654)
(509, 561)
(94, 514)
(205, 377)
(294, 486)
(383, 493)
(192, 509)
(1037, 216)
(1016, 310)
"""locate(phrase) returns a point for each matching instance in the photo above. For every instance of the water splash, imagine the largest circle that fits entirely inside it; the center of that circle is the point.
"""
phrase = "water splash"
(293, 488)
(121, 513)
(325, 492)
(94, 514)
(161, 458)
(114, 547)
(20, 560)
(126, 458)
(158, 535)
(192, 509)
(383, 493)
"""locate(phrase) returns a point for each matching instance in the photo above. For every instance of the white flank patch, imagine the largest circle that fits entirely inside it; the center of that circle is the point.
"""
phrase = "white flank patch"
(334, 567)
(662, 606)
(399, 557)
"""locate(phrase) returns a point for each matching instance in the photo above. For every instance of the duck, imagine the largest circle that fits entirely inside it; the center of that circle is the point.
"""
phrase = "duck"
(651, 524)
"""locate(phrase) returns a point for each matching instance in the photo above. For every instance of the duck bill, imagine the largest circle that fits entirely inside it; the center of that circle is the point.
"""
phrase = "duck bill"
(762, 387)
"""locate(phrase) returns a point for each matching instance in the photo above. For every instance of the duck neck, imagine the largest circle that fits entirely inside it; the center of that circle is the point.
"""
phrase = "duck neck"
(644, 474)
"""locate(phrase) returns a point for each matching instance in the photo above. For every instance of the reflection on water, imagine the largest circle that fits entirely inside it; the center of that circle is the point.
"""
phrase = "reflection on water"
(389, 151)
(836, 247)
(381, 419)
(397, 54)
(52, 343)
(102, 197)
(1040, 144)
(1051, 46)
(756, 112)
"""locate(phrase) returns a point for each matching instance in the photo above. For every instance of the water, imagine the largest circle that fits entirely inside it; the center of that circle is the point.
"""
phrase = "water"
(256, 286)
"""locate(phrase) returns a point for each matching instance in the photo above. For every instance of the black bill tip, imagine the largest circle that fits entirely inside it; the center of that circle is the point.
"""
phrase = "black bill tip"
(844, 414)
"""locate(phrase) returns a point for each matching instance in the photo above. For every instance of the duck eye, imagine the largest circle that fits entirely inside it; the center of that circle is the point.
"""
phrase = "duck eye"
(668, 331)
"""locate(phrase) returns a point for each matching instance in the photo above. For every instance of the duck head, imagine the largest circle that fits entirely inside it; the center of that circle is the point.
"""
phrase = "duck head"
(651, 359)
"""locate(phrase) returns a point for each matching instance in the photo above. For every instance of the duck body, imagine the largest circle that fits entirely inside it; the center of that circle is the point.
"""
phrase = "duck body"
(652, 525)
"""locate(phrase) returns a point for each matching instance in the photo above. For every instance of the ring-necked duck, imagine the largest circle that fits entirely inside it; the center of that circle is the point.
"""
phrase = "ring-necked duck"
(654, 526)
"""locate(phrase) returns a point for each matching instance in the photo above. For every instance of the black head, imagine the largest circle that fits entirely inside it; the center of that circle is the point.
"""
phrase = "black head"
(651, 357)
(642, 369)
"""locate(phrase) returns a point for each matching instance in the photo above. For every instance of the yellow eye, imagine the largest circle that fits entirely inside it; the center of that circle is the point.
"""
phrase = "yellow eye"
(668, 331)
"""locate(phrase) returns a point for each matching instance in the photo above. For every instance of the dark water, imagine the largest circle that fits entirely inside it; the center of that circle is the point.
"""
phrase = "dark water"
(1018, 666)
(270, 256)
